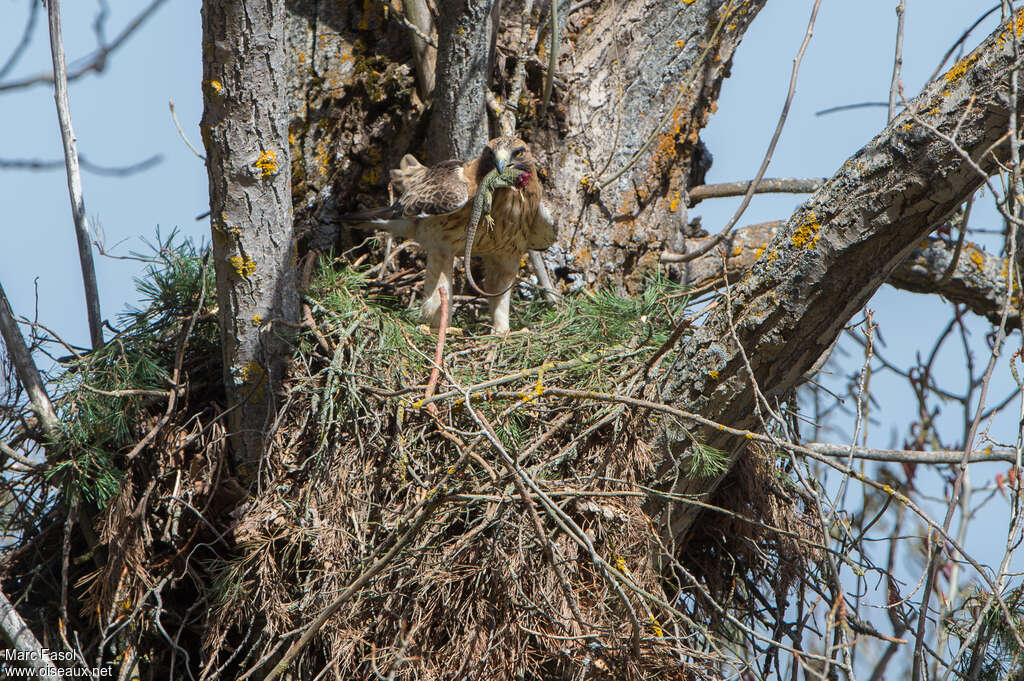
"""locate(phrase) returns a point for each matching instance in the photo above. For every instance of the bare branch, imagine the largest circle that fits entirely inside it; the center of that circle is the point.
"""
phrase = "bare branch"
(97, 61)
(26, 38)
(945, 456)
(67, 134)
(771, 185)
(96, 169)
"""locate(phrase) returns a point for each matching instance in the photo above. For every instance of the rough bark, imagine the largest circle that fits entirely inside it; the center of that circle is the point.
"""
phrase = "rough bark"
(643, 80)
(834, 252)
(458, 121)
(26, 646)
(978, 281)
(245, 131)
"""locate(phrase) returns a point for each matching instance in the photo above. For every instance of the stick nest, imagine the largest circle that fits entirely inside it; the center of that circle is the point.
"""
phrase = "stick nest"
(518, 520)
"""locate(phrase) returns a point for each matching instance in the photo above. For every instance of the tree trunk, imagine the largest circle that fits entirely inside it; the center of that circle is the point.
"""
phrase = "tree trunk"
(458, 123)
(245, 131)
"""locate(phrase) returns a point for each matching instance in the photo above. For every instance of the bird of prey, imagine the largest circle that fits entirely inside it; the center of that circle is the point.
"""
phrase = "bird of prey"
(433, 207)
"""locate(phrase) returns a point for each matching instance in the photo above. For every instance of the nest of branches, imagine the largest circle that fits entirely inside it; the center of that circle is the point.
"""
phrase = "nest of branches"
(500, 529)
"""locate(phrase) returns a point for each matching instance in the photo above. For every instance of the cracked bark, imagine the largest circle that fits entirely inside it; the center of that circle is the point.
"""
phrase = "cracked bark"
(834, 252)
(245, 133)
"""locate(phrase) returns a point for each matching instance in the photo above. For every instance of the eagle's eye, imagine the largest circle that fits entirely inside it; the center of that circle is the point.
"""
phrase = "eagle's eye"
(518, 152)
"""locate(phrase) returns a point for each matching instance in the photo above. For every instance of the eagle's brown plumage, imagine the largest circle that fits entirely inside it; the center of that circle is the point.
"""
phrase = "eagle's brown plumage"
(433, 208)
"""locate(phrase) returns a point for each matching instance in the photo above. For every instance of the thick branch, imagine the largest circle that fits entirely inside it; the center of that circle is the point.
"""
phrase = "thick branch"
(23, 640)
(835, 252)
(978, 281)
(245, 131)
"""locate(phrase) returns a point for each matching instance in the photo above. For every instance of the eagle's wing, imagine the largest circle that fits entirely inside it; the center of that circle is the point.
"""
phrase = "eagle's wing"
(544, 232)
(423, 191)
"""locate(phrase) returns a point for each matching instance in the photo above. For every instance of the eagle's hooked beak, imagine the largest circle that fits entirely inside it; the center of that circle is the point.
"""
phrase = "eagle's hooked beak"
(502, 159)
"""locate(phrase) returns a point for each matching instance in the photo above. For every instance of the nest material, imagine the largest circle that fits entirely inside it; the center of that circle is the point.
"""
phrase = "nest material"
(533, 559)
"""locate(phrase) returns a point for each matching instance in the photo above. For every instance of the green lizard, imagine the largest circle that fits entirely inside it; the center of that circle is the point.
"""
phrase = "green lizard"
(482, 209)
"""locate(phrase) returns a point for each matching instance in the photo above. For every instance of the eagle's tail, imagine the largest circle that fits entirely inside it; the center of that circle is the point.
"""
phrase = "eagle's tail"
(386, 219)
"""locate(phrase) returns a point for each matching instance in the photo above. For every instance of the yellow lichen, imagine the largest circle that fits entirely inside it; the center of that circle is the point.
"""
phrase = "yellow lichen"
(216, 86)
(656, 628)
(266, 163)
(680, 44)
(960, 68)
(714, 374)
(737, 250)
(243, 265)
(806, 235)
(252, 380)
(978, 259)
(257, 320)
(673, 205)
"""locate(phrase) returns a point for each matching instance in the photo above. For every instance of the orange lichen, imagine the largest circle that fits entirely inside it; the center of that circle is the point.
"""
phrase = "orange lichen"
(680, 44)
(1018, 27)
(737, 250)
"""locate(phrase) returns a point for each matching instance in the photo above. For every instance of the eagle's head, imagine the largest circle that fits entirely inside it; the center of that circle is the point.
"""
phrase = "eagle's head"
(502, 152)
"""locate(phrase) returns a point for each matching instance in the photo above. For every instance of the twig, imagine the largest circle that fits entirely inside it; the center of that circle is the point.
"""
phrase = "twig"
(181, 133)
(960, 41)
(438, 495)
(850, 107)
(95, 168)
(67, 134)
(897, 62)
(97, 61)
(26, 38)
(771, 185)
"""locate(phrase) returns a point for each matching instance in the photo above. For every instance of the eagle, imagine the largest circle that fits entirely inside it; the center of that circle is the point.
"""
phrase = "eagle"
(433, 206)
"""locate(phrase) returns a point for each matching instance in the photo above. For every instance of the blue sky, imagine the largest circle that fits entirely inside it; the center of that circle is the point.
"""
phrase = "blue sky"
(121, 117)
